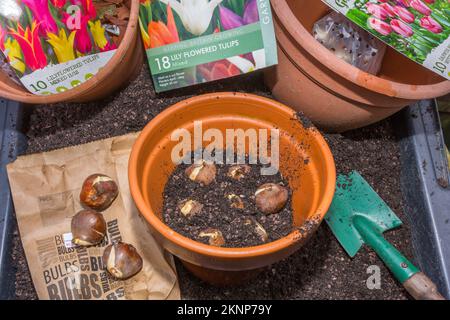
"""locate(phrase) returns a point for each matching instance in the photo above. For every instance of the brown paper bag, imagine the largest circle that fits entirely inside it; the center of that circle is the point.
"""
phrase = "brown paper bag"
(46, 190)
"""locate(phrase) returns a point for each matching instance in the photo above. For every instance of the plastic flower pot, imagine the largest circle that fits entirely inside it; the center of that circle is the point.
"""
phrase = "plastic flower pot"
(312, 182)
(332, 93)
(122, 68)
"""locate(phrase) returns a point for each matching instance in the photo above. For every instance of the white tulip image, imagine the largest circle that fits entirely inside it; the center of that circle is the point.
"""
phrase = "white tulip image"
(246, 65)
(195, 15)
(10, 9)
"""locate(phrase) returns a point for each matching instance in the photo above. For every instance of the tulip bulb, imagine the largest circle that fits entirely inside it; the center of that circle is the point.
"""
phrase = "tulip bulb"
(215, 237)
(122, 260)
(98, 192)
(238, 172)
(202, 172)
(88, 228)
(258, 229)
(271, 198)
(235, 201)
(190, 208)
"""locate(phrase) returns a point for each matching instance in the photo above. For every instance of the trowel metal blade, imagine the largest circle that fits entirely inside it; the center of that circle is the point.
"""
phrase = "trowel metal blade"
(355, 197)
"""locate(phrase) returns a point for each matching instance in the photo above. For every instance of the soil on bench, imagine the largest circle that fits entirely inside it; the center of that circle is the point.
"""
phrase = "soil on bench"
(320, 270)
(238, 225)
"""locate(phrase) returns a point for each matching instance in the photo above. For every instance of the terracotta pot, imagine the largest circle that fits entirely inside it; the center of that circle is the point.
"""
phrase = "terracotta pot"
(312, 182)
(121, 69)
(332, 93)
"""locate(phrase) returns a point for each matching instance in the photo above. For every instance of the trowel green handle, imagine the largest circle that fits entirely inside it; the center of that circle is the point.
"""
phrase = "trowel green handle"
(415, 282)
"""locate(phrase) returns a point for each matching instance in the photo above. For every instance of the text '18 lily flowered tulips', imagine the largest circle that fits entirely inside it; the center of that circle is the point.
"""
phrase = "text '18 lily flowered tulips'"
(164, 22)
(52, 32)
(413, 27)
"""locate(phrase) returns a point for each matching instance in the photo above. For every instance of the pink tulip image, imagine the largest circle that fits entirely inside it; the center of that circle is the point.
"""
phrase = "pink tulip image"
(406, 3)
(2, 38)
(251, 14)
(401, 28)
(83, 42)
(41, 13)
(404, 14)
(229, 19)
(421, 7)
(377, 11)
(390, 9)
(31, 46)
(380, 26)
(58, 3)
(431, 25)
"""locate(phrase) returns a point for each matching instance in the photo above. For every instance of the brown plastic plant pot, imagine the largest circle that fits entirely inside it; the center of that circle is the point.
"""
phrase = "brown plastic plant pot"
(119, 71)
(312, 181)
(332, 93)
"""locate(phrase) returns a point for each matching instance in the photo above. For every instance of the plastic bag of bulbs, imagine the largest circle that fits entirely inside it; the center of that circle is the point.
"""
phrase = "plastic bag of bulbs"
(350, 42)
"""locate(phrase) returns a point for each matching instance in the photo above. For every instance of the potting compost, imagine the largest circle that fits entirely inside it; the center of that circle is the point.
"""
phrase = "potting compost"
(46, 189)
(226, 205)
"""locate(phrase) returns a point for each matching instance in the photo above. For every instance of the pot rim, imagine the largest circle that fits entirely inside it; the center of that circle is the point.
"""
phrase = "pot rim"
(208, 250)
(21, 94)
(372, 82)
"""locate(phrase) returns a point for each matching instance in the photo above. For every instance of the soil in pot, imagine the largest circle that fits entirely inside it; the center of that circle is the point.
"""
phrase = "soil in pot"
(226, 208)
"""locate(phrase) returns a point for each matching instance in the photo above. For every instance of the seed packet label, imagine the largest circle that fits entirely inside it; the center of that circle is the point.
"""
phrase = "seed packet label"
(53, 45)
(419, 29)
(193, 42)
(62, 77)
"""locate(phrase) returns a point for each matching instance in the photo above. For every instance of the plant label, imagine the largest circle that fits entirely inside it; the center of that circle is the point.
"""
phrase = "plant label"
(53, 45)
(195, 41)
(419, 29)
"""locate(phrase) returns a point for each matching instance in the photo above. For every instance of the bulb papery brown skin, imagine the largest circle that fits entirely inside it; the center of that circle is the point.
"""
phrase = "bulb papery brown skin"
(98, 192)
(122, 260)
(238, 172)
(190, 208)
(215, 237)
(88, 228)
(257, 228)
(202, 172)
(235, 201)
(271, 198)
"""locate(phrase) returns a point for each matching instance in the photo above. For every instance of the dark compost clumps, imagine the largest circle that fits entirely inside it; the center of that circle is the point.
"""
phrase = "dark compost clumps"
(319, 270)
(218, 212)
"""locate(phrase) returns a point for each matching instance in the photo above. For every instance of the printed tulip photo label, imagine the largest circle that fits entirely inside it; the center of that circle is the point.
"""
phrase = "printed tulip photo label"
(419, 29)
(53, 45)
(196, 41)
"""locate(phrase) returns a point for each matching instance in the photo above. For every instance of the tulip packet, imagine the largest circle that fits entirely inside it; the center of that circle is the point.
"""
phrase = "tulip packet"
(195, 41)
(419, 29)
(56, 45)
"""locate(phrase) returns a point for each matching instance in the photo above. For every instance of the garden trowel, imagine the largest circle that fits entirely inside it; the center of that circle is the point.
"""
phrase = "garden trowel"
(359, 216)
